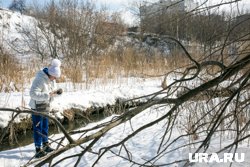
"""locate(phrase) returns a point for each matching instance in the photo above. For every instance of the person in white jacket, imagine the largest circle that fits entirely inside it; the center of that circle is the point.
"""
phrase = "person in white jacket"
(42, 92)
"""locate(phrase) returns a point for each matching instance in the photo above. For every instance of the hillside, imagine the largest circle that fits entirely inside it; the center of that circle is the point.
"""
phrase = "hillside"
(18, 33)
(12, 24)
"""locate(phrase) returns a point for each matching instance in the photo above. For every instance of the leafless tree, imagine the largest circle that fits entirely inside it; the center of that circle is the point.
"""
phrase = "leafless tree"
(74, 30)
(233, 118)
(217, 104)
(229, 116)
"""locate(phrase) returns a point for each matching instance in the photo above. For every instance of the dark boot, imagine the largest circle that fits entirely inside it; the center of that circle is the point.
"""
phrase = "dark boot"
(40, 153)
(47, 148)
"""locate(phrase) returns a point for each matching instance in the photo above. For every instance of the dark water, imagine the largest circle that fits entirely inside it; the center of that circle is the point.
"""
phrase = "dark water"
(27, 138)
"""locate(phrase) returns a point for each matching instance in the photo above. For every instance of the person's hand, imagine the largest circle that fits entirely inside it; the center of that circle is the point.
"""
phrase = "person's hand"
(51, 94)
(56, 92)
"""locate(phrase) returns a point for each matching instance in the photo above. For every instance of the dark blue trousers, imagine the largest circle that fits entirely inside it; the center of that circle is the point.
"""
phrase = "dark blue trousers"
(40, 129)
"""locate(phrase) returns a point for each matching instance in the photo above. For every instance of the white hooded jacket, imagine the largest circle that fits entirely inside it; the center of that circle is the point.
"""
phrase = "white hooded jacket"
(40, 89)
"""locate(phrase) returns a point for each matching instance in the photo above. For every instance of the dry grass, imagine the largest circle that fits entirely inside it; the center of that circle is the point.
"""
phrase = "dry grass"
(112, 65)
(129, 63)
(73, 74)
(11, 73)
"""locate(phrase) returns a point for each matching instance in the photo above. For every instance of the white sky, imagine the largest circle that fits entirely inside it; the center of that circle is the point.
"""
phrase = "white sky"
(125, 6)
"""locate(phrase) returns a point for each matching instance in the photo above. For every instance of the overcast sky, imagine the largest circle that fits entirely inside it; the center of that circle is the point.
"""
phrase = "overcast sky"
(125, 6)
(115, 3)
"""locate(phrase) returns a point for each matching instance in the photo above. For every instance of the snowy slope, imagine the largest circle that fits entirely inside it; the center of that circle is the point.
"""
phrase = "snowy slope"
(12, 25)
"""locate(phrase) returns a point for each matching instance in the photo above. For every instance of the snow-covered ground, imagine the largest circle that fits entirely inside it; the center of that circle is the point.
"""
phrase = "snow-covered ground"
(143, 145)
(97, 95)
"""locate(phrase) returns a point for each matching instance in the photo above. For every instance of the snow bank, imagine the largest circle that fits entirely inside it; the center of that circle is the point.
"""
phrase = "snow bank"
(96, 96)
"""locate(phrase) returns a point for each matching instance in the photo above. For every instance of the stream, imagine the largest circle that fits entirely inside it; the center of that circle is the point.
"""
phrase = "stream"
(27, 138)
(94, 114)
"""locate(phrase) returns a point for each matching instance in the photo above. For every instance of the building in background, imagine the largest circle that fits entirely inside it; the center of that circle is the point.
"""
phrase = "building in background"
(164, 16)
(168, 6)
